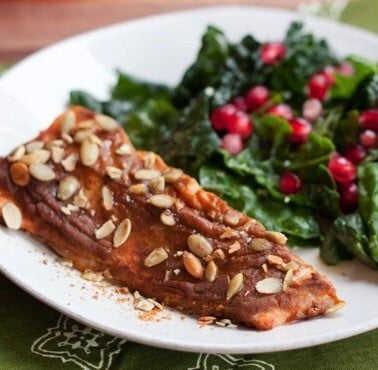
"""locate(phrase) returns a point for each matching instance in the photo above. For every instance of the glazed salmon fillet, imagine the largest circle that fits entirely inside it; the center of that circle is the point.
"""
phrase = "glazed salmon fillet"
(83, 189)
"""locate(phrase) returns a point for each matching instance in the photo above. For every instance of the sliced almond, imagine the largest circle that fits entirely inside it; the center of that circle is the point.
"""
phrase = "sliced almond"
(69, 163)
(193, 265)
(105, 122)
(232, 218)
(138, 189)
(172, 175)
(146, 174)
(199, 245)
(211, 271)
(269, 286)
(113, 172)
(68, 187)
(156, 257)
(276, 237)
(144, 305)
(34, 145)
(105, 230)
(260, 244)
(19, 173)
(89, 153)
(124, 149)
(228, 233)
(81, 135)
(12, 216)
(68, 122)
(107, 198)
(161, 200)
(235, 285)
(57, 154)
(122, 233)
(234, 247)
(42, 172)
(287, 279)
(167, 218)
(157, 185)
(218, 254)
(17, 153)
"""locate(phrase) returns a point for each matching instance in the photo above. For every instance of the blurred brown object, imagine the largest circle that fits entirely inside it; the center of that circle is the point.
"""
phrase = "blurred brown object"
(28, 25)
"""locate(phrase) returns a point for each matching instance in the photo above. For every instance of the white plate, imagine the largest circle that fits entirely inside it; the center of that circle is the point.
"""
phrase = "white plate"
(159, 48)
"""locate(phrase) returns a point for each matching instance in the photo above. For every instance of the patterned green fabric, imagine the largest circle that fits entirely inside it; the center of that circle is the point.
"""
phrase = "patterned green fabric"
(34, 336)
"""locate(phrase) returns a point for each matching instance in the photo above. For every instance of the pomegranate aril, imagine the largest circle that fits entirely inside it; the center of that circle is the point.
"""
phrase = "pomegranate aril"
(233, 143)
(239, 103)
(300, 130)
(312, 109)
(290, 183)
(369, 119)
(348, 197)
(329, 73)
(272, 52)
(342, 170)
(281, 110)
(241, 124)
(220, 116)
(318, 87)
(368, 139)
(355, 153)
(346, 69)
(257, 97)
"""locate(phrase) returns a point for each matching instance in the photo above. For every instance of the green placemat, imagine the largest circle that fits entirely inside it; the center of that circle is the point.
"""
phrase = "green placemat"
(34, 336)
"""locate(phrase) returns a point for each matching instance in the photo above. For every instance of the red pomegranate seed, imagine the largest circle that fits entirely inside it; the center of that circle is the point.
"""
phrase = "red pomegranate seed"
(368, 139)
(369, 119)
(348, 197)
(221, 115)
(272, 52)
(329, 72)
(300, 130)
(290, 183)
(233, 143)
(312, 109)
(281, 110)
(318, 86)
(257, 97)
(346, 69)
(342, 170)
(355, 153)
(240, 123)
(239, 103)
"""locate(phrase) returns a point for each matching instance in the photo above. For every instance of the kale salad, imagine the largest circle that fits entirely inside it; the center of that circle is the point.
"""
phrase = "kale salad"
(284, 131)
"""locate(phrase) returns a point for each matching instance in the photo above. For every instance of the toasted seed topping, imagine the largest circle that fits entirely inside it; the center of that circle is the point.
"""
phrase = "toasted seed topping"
(274, 260)
(144, 305)
(260, 244)
(67, 138)
(124, 149)
(226, 323)
(87, 123)
(157, 185)
(38, 156)
(92, 276)
(50, 144)
(107, 198)
(235, 285)
(292, 265)
(172, 175)
(276, 237)
(81, 200)
(206, 320)
(193, 265)
(161, 200)
(252, 226)
(199, 245)
(105, 230)
(228, 233)
(19, 173)
(42, 172)
(68, 187)
(287, 279)
(113, 172)
(211, 271)
(105, 122)
(122, 233)
(335, 308)
(219, 254)
(68, 122)
(57, 154)
(12, 216)
(17, 153)
(81, 135)
(156, 257)
(138, 189)
(66, 210)
(69, 163)
(232, 218)
(234, 247)
(95, 140)
(89, 153)
(146, 174)
(167, 218)
(33, 146)
(269, 286)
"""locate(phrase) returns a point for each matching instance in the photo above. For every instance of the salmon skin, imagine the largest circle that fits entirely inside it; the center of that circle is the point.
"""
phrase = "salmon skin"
(85, 191)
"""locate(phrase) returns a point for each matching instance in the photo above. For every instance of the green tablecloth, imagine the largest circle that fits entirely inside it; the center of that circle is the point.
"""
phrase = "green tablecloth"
(34, 336)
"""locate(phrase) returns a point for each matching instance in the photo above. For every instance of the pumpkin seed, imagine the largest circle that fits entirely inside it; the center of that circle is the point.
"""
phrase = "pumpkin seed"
(105, 230)
(105, 122)
(235, 285)
(269, 286)
(12, 216)
(89, 153)
(156, 257)
(42, 172)
(122, 233)
(67, 187)
(199, 245)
